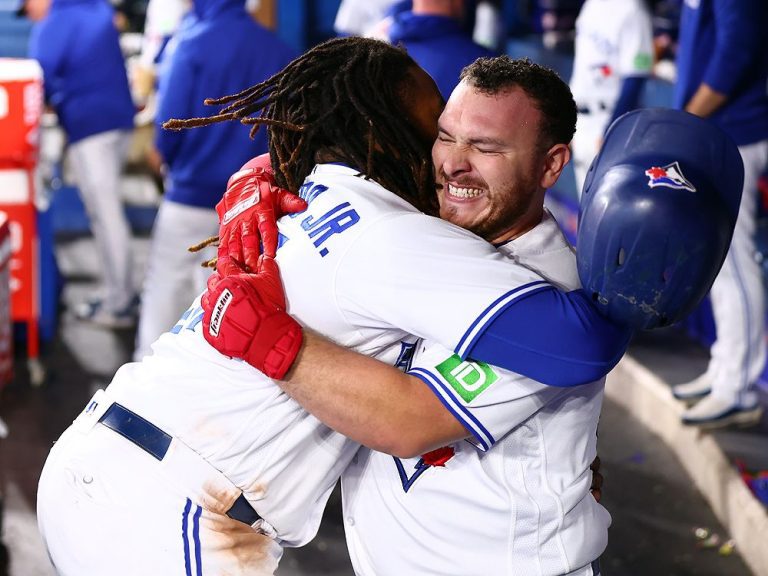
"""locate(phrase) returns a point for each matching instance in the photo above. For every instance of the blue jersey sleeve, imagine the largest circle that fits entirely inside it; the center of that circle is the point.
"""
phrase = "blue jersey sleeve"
(738, 39)
(436, 281)
(557, 338)
(174, 100)
(47, 45)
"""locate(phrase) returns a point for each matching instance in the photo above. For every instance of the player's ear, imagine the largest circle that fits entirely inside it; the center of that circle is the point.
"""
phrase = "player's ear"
(555, 160)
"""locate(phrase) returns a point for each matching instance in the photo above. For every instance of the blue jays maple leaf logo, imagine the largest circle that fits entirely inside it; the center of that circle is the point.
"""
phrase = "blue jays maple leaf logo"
(431, 459)
(670, 176)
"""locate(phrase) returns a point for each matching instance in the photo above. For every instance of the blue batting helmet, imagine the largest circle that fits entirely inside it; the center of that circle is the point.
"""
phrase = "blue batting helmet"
(657, 214)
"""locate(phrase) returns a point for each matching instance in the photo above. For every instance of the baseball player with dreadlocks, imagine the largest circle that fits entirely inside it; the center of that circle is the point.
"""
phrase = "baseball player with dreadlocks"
(192, 462)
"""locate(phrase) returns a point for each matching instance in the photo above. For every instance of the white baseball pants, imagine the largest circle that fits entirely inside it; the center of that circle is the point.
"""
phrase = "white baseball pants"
(105, 506)
(97, 162)
(738, 297)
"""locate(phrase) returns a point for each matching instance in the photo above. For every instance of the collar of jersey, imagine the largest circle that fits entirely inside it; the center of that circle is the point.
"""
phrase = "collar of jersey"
(532, 240)
(335, 168)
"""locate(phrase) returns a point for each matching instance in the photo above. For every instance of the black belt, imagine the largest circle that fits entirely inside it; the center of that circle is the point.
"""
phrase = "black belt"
(154, 441)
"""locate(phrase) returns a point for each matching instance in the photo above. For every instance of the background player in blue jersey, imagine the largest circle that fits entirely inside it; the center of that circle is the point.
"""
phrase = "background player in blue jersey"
(435, 36)
(223, 50)
(77, 45)
(722, 73)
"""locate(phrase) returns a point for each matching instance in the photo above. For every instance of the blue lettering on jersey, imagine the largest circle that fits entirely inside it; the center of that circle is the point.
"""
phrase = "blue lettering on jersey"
(405, 358)
(196, 319)
(335, 221)
(189, 320)
(180, 324)
(435, 458)
(408, 481)
(309, 191)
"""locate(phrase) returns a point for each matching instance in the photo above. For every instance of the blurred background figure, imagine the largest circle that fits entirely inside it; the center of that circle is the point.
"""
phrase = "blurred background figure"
(490, 29)
(666, 23)
(722, 72)
(77, 45)
(162, 20)
(436, 37)
(367, 17)
(555, 21)
(443, 36)
(221, 52)
(613, 57)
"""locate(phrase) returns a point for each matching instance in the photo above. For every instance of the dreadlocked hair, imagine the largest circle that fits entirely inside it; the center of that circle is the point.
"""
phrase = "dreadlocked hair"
(344, 100)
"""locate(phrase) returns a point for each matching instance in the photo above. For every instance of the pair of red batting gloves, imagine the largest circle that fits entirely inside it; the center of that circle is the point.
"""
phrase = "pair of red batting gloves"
(245, 310)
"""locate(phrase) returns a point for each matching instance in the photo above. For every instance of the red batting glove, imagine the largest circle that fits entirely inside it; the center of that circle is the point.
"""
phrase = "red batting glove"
(244, 317)
(248, 214)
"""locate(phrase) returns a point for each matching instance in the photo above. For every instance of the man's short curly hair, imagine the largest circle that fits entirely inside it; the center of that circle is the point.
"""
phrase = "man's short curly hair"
(551, 94)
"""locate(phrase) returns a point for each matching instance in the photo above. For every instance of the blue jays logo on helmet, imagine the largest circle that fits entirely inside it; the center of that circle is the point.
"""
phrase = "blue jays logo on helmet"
(670, 176)
(657, 214)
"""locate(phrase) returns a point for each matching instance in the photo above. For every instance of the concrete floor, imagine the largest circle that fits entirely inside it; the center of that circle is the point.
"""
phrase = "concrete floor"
(655, 506)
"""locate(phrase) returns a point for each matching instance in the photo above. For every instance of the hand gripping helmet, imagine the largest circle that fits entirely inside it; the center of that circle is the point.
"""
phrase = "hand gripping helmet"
(657, 214)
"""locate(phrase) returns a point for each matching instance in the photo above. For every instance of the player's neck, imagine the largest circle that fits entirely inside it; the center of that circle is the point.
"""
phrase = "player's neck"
(528, 222)
(331, 156)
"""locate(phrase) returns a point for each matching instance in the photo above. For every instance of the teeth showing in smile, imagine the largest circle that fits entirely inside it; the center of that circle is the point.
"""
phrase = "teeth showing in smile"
(463, 192)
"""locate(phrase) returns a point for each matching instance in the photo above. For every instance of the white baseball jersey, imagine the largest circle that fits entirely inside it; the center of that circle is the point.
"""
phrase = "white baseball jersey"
(361, 266)
(614, 40)
(513, 499)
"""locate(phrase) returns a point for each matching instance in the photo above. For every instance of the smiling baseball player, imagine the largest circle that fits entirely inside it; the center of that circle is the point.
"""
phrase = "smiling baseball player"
(515, 496)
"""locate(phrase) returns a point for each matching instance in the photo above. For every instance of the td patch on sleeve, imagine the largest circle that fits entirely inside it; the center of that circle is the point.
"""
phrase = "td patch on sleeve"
(468, 379)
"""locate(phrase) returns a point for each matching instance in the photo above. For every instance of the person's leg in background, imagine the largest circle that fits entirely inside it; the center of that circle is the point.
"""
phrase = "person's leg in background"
(98, 163)
(738, 305)
(174, 274)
